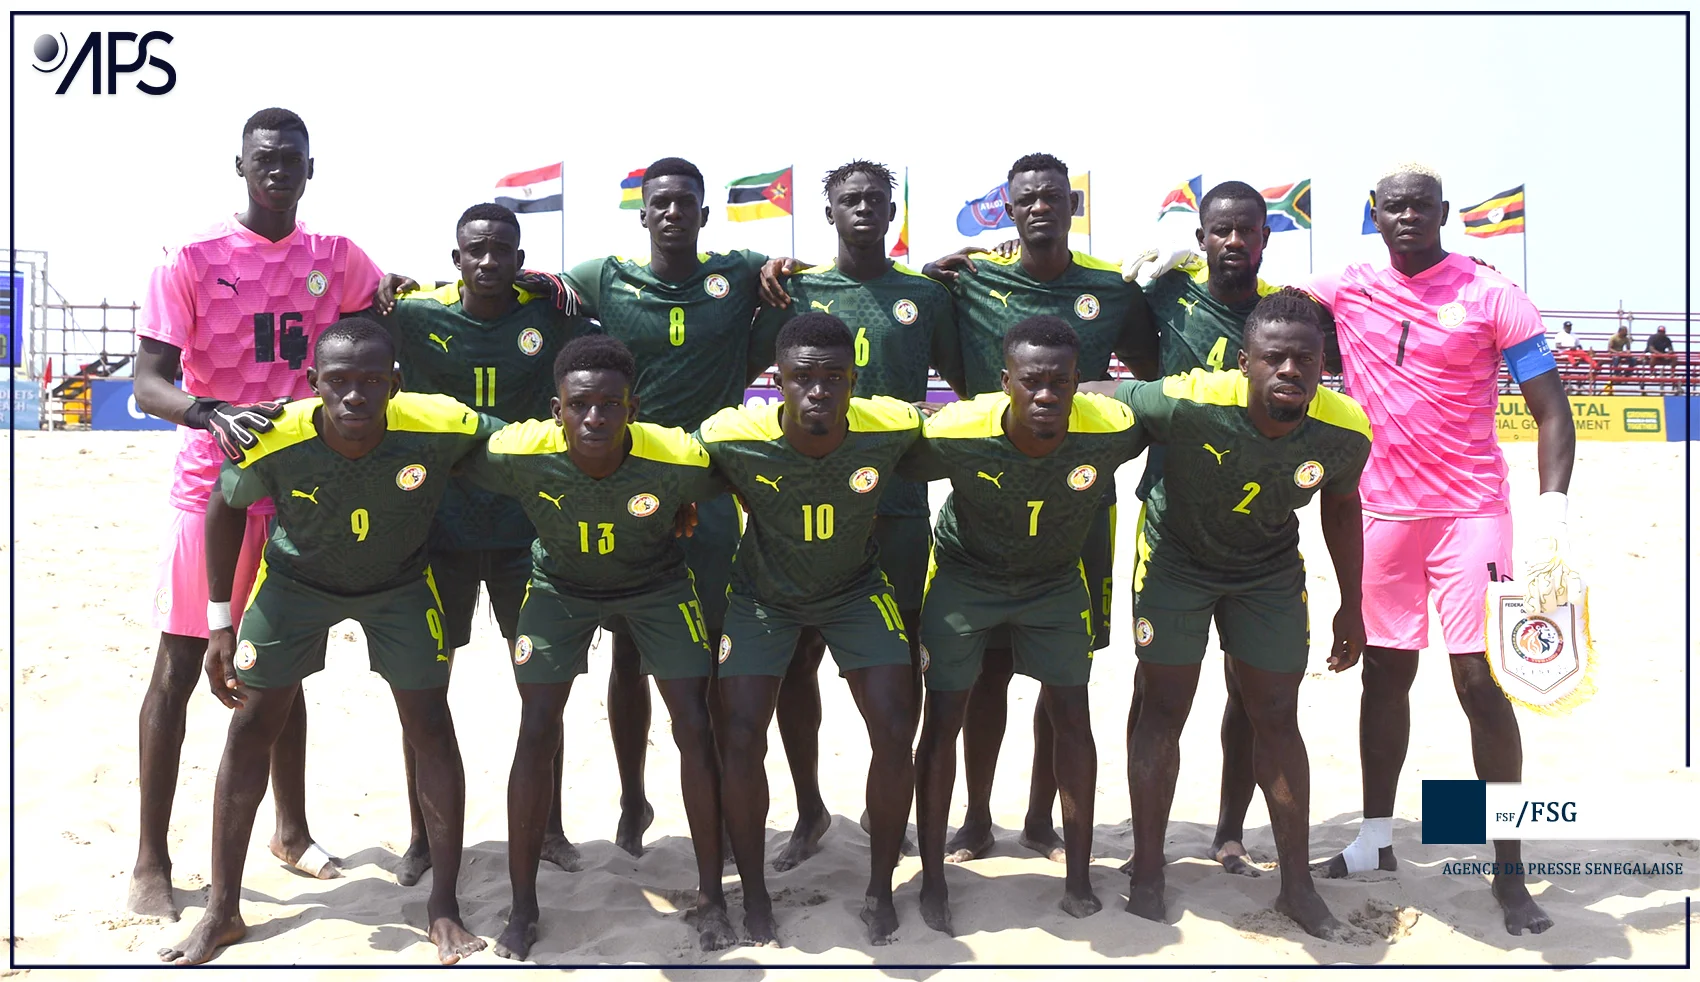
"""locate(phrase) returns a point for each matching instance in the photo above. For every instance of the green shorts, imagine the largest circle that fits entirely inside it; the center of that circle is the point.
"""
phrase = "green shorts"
(504, 572)
(709, 550)
(282, 639)
(905, 543)
(1048, 628)
(1263, 622)
(556, 628)
(862, 628)
(1098, 560)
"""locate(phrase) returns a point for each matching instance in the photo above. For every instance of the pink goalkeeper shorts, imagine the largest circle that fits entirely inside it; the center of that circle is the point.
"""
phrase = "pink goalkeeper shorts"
(1453, 558)
(180, 592)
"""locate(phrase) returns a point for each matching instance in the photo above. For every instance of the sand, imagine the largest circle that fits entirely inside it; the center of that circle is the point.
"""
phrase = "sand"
(91, 509)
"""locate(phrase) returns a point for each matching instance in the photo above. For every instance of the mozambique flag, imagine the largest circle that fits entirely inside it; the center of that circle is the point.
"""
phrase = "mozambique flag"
(1183, 198)
(759, 196)
(1289, 206)
(1501, 214)
(902, 246)
(631, 190)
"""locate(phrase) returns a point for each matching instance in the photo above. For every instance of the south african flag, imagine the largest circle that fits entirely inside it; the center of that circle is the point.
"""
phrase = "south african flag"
(1289, 206)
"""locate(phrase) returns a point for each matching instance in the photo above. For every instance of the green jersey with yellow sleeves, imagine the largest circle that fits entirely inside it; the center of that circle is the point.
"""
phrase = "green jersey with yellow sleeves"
(356, 526)
(810, 535)
(503, 367)
(1011, 520)
(902, 322)
(690, 339)
(1225, 506)
(1109, 315)
(599, 537)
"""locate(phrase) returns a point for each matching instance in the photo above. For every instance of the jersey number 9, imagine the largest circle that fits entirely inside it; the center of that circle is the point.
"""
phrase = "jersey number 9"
(360, 523)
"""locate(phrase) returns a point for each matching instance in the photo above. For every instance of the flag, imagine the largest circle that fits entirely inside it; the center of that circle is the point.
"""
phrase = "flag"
(759, 196)
(1369, 214)
(985, 212)
(531, 190)
(1183, 198)
(1289, 206)
(1501, 214)
(631, 190)
(1083, 211)
(902, 246)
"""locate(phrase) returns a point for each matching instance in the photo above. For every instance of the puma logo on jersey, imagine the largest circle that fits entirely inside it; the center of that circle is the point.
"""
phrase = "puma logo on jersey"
(1188, 304)
(309, 495)
(774, 483)
(992, 479)
(1002, 298)
(231, 285)
(1219, 453)
(556, 500)
(817, 305)
(637, 291)
(442, 342)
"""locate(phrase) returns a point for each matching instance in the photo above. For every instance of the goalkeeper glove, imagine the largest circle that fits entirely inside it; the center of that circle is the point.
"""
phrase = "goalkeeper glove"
(1551, 582)
(233, 427)
(549, 285)
(1152, 263)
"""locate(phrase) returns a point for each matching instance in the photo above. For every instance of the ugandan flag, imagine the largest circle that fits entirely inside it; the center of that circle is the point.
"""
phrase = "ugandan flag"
(1288, 205)
(1184, 197)
(759, 196)
(1501, 214)
(631, 190)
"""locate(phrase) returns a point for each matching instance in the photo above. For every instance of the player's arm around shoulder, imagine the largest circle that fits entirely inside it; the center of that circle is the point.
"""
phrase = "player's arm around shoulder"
(1343, 531)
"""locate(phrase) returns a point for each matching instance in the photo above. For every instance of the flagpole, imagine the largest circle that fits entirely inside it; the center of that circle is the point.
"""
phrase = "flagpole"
(1525, 240)
(1310, 244)
(1089, 251)
(563, 266)
(793, 169)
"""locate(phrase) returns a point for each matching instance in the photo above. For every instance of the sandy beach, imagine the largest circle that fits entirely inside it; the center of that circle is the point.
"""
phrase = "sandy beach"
(90, 513)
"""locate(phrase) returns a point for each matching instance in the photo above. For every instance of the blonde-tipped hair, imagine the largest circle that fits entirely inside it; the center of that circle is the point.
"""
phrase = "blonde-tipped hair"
(1410, 167)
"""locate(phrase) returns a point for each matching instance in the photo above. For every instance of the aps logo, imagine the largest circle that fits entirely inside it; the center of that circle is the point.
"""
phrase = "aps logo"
(53, 52)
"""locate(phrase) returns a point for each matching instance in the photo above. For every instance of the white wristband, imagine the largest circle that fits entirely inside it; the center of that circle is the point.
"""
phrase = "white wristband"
(1554, 507)
(218, 615)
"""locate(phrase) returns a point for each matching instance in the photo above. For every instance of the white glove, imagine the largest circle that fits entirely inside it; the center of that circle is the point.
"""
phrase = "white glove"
(1550, 583)
(1152, 263)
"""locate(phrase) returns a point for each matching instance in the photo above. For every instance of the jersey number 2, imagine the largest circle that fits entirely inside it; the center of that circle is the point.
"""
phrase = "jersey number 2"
(1251, 488)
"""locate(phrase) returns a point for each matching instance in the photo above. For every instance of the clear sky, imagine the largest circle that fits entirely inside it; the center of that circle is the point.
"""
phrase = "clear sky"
(414, 118)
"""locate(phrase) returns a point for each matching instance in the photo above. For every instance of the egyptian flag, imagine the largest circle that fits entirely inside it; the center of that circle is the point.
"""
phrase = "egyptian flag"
(1501, 214)
(760, 196)
(631, 190)
(1183, 198)
(531, 190)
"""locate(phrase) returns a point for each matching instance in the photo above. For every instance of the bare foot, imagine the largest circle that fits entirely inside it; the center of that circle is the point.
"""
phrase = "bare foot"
(414, 862)
(1045, 841)
(212, 933)
(557, 850)
(714, 928)
(760, 926)
(453, 940)
(1335, 869)
(880, 915)
(290, 856)
(1234, 859)
(629, 834)
(935, 909)
(1311, 914)
(805, 840)
(1521, 911)
(1146, 899)
(517, 938)
(908, 847)
(1127, 867)
(969, 842)
(1080, 904)
(150, 893)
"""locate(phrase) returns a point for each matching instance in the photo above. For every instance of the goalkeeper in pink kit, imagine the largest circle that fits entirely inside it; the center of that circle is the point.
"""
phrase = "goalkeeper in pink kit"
(236, 309)
(1421, 340)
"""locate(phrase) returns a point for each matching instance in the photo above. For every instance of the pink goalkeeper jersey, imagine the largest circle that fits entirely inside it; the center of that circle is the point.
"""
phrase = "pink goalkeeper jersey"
(245, 311)
(1421, 355)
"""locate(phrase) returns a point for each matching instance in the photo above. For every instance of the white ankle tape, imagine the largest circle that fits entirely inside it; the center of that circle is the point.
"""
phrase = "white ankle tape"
(1364, 854)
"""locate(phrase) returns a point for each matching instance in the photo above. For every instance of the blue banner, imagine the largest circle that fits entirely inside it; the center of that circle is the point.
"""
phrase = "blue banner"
(985, 213)
(21, 407)
(112, 406)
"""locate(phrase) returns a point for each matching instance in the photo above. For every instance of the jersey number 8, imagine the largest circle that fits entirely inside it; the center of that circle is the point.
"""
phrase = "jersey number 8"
(676, 326)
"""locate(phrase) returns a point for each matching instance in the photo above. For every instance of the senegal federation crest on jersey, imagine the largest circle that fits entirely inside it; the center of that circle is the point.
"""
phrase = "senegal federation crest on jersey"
(725, 648)
(246, 656)
(905, 311)
(716, 286)
(1451, 315)
(317, 284)
(926, 658)
(1143, 632)
(643, 505)
(522, 650)
(410, 477)
(1082, 477)
(531, 341)
(864, 480)
(1308, 475)
(1086, 307)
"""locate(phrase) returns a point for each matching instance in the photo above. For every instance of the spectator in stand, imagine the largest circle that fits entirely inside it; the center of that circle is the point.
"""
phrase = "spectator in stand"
(1619, 347)
(1660, 351)
(1569, 352)
(1566, 340)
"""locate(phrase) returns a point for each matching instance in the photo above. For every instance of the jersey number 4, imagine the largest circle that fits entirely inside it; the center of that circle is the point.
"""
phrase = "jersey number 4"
(290, 344)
